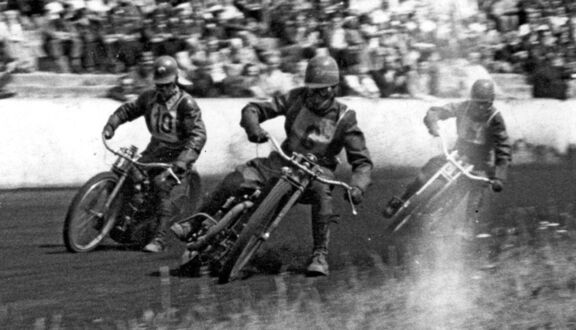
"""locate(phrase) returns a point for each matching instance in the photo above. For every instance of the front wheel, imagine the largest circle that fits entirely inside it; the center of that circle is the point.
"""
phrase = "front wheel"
(251, 238)
(88, 221)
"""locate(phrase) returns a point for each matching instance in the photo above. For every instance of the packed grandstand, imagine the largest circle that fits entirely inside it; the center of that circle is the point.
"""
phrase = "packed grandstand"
(246, 48)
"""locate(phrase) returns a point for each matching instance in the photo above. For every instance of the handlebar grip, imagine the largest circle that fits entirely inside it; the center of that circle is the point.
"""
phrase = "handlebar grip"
(173, 174)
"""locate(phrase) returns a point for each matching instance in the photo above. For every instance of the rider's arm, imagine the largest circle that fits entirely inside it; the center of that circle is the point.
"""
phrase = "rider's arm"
(502, 153)
(356, 152)
(129, 110)
(255, 113)
(192, 129)
(434, 114)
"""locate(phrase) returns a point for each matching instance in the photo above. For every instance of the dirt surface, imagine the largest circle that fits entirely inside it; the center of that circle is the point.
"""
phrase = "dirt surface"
(39, 279)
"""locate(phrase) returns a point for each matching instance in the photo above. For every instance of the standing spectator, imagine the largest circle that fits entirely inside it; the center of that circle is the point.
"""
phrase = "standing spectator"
(550, 80)
(7, 66)
(159, 30)
(274, 81)
(337, 40)
(12, 32)
(130, 29)
(90, 27)
(62, 42)
(216, 59)
(136, 81)
(356, 45)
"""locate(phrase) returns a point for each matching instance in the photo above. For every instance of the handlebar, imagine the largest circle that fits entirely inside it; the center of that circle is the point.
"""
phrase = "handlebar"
(315, 176)
(166, 166)
(450, 157)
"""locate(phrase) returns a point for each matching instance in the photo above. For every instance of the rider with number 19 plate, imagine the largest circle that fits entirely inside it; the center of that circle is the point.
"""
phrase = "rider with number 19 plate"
(481, 134)
(178, 135)
(315, 124)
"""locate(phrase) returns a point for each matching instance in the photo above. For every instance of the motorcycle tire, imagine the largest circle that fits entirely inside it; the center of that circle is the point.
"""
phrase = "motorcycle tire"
(84, 226)
(417, 204)
(250, 238)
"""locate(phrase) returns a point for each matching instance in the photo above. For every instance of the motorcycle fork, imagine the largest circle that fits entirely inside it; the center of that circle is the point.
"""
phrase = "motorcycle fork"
(300, 187)
(114, 193)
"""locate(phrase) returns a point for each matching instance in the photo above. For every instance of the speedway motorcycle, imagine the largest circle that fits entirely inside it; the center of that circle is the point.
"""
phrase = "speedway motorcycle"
(117, 203)
(228, 240)
(440, 194)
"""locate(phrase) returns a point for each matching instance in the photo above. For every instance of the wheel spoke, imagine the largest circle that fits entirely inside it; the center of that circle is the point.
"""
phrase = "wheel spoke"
(245, 257)
(88, 222)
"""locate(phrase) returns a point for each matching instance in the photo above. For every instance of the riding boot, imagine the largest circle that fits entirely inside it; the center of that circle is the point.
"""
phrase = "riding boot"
(164, 213)
(210, 205)
(318, 265)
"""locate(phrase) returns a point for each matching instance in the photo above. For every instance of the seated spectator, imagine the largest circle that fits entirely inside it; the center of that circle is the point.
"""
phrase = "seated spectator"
(203, 85)
(550, 79)
(136, 81)
(252, 80)
(419, 82)
(393, 79)
(358, 82)
(299, 73)
(234, 84)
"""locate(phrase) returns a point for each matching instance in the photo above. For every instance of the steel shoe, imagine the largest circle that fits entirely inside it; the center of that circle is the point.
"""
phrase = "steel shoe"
(157, 245)
(392, 207)
(318, 266)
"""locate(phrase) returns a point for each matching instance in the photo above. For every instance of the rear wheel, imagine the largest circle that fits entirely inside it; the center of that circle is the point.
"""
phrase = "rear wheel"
(250, 238)
(88, 221)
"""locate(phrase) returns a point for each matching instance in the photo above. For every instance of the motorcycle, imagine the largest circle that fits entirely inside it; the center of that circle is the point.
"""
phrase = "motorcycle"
(228, 240)
(117, 203)
(440, 194)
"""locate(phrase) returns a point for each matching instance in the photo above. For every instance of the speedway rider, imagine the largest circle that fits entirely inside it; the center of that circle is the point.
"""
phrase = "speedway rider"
(481, 134)
(178, 135)
(315, 123)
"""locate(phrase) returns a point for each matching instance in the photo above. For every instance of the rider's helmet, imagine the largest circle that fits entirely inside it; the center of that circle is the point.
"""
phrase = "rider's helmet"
(165, 70)
(483, 91)
(322, 71)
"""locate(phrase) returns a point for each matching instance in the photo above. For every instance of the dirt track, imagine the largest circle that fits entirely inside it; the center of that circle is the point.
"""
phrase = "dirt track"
(40, 279)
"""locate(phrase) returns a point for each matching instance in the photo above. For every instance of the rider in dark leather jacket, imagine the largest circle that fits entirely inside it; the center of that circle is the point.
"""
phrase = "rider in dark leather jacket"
(482, 139)
(178, 134)
(315, 123)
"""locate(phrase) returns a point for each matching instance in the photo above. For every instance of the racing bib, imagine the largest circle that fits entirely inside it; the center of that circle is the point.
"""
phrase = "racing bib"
(311, 133)
(163, 120)
(472, 131)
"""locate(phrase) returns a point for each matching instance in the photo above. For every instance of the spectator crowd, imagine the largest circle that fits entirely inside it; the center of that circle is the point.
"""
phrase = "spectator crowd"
(257, 48)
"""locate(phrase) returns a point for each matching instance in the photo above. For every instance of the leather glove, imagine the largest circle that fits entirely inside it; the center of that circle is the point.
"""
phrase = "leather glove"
(357, 195)
(108, 131)
(179, 168)
(258, 135)
(165, 181)
(497, 185)
(434, 130)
